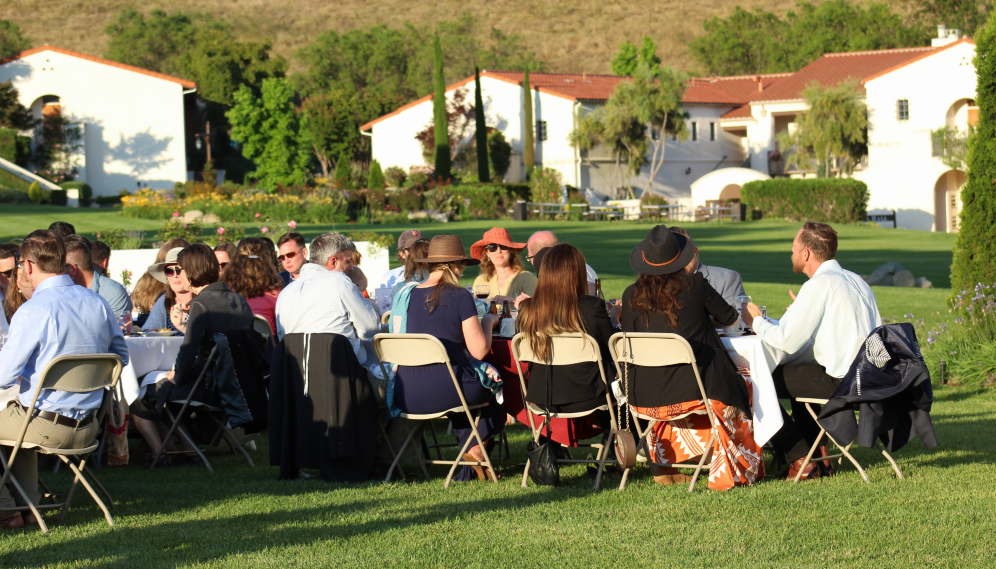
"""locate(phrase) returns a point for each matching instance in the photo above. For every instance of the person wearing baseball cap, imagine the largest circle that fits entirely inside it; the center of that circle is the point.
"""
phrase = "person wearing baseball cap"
(405, 241)
(501, 267)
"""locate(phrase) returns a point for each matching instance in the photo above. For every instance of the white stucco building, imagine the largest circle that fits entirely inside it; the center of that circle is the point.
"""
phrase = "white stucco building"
(734, 122)
(132, 119)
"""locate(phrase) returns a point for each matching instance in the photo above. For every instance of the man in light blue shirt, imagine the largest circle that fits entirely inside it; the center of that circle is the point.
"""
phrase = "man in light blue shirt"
(78, 256)
(60, 318)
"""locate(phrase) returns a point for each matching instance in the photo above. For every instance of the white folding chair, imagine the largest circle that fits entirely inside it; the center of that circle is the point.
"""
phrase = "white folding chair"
(415, 350)
(74, 374)
(262, 325)
(566, 349)
(844, 450)
(646, 349)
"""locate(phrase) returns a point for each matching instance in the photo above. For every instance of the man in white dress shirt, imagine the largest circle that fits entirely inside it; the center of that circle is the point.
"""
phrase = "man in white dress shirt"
(835, 310)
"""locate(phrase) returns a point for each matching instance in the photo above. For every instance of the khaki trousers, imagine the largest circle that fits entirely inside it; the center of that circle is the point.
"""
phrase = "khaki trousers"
(40, 431)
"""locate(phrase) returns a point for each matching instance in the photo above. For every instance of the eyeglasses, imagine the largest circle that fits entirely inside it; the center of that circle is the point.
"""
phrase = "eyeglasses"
(290, 255)
(173, 271)
(8, 273)
(494, 247)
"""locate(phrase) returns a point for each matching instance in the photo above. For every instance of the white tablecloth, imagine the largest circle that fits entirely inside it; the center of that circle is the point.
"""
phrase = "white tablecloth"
(756, 364)
(147, 355)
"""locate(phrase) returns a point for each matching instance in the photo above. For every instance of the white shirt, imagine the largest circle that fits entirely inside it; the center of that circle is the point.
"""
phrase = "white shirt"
(836, 309)
(323, 301)
(392, 277)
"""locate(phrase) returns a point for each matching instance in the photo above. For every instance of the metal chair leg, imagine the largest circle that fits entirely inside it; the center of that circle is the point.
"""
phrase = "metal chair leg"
(891, 461)
(705, 456)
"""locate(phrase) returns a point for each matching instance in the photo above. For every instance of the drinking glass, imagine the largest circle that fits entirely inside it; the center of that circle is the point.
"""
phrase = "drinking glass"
(764, 311)
(742, 301)
(482, 291)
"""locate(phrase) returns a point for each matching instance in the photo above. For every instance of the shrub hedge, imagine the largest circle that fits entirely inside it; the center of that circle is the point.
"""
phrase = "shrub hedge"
(12, 196)
(14, 147)
(86, 192)
(830, 200)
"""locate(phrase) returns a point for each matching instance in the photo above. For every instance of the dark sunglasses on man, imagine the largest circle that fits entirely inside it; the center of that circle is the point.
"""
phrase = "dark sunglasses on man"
(492, 247)
(290, 255)
(9, 272)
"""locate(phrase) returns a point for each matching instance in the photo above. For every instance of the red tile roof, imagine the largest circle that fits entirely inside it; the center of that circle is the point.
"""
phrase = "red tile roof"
(184, 82)
(741, 112)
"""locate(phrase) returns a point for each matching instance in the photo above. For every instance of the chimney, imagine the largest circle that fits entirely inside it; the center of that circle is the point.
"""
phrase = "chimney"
(584, 77)
(945, 36)
(760, 84)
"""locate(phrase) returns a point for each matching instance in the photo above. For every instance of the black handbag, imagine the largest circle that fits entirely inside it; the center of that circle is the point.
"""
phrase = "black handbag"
(543, 469)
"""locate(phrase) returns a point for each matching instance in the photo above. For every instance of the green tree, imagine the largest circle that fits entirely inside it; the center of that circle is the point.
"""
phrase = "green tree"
(330, 121)
(268, 127)
(653, 98)
(616, 130)
(12, 113)
(629, 56)
(441, 130)
(832, 134)
(529, 146)
(12, 42)
(500, 153)
(481, 131)
(974, 259)
(760, 42)
(965, 15)
(344, 171)
(193, 46)
(376, 179)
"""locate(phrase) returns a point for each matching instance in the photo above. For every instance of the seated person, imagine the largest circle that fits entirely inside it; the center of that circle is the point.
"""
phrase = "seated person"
(440, 307)
(396, 275)
(172, 309)
(251, 275)
(501, 268)
(546, 239)
(728, 283)
(225, 252)
(561, 304)
(413, 269)
(60, 319)
(293, 255)
(322, 299)
(667, 299)
(148, 289)
(78, 251)
(101, 255)
(834, 313)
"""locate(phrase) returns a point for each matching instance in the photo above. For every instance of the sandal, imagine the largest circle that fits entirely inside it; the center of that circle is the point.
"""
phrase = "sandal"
(483, 472)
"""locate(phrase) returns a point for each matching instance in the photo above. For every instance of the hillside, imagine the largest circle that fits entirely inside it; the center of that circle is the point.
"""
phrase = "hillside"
(573, 36)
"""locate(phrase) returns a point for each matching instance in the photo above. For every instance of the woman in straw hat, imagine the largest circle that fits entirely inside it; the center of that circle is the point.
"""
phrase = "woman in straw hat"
(667, 299)
(171, 309)
(149, 291)
(442, 308)
(501, 267)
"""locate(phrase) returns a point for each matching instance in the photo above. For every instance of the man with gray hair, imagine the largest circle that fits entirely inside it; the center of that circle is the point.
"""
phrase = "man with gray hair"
(323, 299)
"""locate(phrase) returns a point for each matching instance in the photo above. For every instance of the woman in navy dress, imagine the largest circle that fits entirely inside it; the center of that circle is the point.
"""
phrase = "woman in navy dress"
(441, 308)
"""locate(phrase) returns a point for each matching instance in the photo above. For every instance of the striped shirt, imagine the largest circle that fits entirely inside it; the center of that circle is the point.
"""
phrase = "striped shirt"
(836, 309)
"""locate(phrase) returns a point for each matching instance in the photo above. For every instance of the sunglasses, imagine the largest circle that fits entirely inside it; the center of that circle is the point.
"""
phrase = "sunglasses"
(494, 247)
(8, 273)
(173, 271)
(290, 255)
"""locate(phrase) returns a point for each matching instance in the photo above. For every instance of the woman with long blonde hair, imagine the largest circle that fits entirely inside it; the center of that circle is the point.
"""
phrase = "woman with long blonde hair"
(561, 304)
(251, 274)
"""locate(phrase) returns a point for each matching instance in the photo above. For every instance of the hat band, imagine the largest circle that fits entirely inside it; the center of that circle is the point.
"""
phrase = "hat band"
(644, 255)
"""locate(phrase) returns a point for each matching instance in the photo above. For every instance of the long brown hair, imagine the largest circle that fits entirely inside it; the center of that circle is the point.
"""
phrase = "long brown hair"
(449, 279)
(14, 298)
(152, 288)
(419, 250)
(488, 268)
(250, 272)
(553, 308)
(658, 293)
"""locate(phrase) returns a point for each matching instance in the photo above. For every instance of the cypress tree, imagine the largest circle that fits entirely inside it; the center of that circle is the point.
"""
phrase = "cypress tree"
(481, 135)
(974, 259)
(529, 152)
(441, 131)
(375, 181)
(344, 171)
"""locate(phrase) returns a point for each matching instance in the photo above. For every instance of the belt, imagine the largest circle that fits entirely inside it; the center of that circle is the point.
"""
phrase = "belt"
(57, 418)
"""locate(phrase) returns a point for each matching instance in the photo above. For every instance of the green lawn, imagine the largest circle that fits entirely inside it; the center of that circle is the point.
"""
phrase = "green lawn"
(940, 516)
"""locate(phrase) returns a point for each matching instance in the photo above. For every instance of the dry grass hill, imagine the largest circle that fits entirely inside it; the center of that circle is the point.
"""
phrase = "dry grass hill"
(570, 36)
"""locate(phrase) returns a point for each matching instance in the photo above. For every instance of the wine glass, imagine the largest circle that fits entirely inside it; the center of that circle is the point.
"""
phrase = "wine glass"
(482, 291)
(742, 300)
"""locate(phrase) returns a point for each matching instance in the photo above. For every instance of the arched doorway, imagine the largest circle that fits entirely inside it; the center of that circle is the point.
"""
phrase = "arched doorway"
(947, 201)
(961, 114)
(731, 193)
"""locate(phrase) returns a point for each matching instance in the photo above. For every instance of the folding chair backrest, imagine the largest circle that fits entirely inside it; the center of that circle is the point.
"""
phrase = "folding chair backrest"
(410, 349)
(82, 373)
(647, 349)
(565, 349)
(262, 325)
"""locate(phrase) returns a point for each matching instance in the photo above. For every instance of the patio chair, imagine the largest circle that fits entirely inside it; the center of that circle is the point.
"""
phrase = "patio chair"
(75, 374)
(262, 325)
(566, 349)
(647, 349)
(419, 350)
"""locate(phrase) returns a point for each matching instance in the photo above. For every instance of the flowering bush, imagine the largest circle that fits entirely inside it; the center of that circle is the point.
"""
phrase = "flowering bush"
(318, 206)
(969, 344)
(118, 239)
(546, 186)
(176, 227)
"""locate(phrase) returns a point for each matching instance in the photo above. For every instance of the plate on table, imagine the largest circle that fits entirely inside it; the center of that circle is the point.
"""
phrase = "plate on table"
(157, 333)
